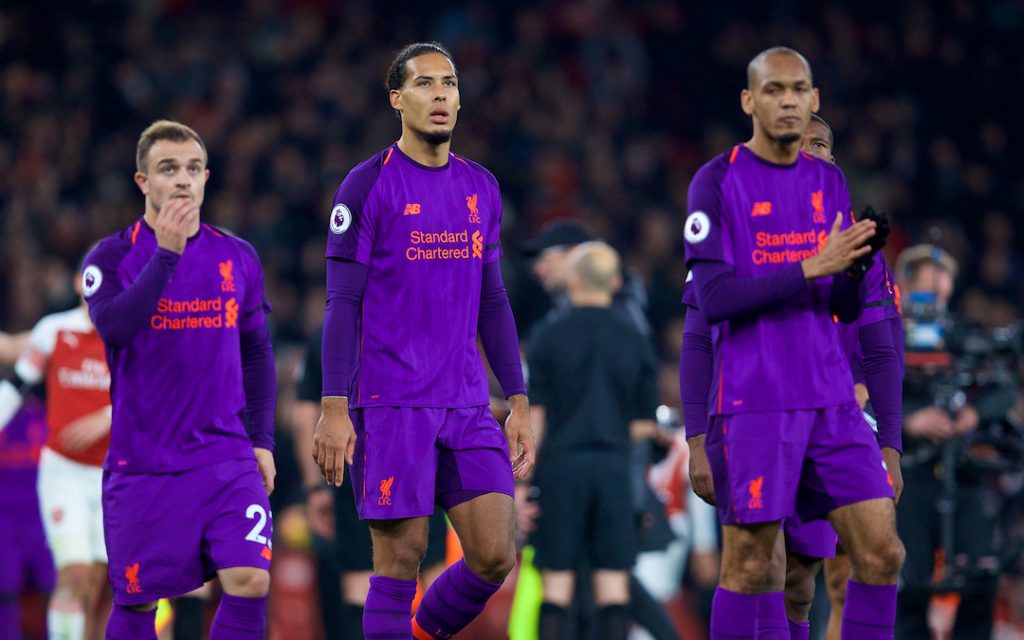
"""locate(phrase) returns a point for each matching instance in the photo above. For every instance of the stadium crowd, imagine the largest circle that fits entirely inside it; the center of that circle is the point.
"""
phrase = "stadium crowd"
(596, 111)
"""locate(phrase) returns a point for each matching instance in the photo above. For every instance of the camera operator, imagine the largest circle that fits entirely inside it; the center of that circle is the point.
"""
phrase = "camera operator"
(937, 418)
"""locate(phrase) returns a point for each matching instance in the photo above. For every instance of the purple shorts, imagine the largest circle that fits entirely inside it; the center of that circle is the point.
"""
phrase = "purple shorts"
(406, 459)
(755, 457)
(813, 538)
(166, 534)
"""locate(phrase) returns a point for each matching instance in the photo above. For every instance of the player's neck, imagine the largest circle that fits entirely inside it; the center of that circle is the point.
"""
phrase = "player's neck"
(423, 152)
(772, 150)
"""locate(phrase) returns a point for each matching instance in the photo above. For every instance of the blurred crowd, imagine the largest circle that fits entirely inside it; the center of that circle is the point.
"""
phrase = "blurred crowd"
(594, 110)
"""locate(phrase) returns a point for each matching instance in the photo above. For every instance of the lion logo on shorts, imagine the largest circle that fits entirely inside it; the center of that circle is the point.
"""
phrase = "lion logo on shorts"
(385, 492)
(132, 573)
(756, 500)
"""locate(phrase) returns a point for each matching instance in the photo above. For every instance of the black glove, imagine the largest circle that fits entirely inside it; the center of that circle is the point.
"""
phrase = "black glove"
(877, 241)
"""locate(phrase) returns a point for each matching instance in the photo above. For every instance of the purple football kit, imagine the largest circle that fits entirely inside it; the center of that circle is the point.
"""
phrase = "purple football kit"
(813, 538)
(427, 242)
(188, 353)
(25, 560)
(781, 390)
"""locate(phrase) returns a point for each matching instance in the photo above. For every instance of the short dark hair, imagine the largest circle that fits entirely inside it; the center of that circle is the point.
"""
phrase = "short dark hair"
(396, 72)
(755, 64)
(831, 136)
(163, 130)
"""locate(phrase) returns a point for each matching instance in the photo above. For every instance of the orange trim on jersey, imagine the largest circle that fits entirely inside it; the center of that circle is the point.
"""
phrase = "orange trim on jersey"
(387, 158)
(213, 231)
(419, 633)
(359, 398)
(459, 159)
(725, 454)
(735, 152)
(366, 439)
(135, 231)
(721, 384)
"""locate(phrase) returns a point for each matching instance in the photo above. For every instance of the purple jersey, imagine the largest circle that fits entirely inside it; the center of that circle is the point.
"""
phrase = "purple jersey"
(760, 218)
(176, 387)
(424, 233)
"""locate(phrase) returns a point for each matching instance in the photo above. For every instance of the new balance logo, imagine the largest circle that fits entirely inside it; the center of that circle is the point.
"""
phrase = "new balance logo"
(385, 492)
(412, 209)
(761, 209)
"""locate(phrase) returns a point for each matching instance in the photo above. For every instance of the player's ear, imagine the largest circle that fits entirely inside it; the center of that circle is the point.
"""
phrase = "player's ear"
(815, 100)
(143, 182)
(395, 96)
(747, 102)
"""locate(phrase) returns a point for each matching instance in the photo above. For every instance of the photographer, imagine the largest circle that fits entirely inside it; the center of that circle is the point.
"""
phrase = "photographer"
(938, 417)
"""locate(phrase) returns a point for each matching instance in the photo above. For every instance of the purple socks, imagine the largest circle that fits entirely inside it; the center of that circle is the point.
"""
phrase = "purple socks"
(239, 618)
(771, 617)
(870, 611)
(733, 615)
(454, 600)
(129, 624)
(388, 610)
(799, 630)
(741, 615)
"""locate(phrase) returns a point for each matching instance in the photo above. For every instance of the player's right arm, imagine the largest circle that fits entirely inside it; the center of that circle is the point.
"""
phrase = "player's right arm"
(28, 370)
(349, 246)
(334, 438)
(119, 312)
(721, 294)
(695, 371)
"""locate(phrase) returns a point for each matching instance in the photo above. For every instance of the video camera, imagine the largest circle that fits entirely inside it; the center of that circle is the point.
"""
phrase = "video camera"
(955, 363)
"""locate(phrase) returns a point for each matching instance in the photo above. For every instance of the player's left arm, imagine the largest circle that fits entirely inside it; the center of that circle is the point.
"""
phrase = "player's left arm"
(497, 329)
(883, 375)
(259, 378)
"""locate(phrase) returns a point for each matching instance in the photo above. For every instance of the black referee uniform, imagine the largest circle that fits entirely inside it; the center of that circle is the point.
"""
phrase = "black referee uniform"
(593, 373)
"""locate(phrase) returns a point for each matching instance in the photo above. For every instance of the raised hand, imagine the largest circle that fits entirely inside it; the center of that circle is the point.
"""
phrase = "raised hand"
(177, 217)
(841, 249)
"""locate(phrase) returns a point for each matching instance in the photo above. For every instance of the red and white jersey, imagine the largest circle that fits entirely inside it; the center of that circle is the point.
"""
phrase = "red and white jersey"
(66, 349)
(670, 478)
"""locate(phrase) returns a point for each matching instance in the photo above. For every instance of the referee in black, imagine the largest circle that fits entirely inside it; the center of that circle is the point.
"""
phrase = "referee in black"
(593, 388)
